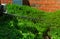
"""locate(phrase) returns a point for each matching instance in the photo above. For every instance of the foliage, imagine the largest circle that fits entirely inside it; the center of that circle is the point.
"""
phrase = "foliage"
(25, 24)
(24, 11)
(53, 20)
(28, 23)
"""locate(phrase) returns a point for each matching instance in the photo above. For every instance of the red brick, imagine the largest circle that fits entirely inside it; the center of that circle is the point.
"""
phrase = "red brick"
(46, 5)
(6, 1)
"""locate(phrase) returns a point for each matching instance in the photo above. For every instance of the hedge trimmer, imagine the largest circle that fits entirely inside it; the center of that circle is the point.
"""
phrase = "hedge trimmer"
(2, 8)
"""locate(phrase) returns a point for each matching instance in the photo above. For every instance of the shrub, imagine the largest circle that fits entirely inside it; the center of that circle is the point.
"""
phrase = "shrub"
(29, 23)
(23, 24)
(52, 19)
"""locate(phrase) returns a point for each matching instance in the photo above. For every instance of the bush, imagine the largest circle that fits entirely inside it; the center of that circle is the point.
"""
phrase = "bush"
(29, 23)
(52, 19)
(24, 11)
(23, 24)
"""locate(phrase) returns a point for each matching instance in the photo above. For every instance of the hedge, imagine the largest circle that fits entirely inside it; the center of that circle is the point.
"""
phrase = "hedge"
(24, 22)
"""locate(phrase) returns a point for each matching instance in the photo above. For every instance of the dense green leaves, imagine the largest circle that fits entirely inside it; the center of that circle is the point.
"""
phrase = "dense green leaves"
(53, 20)
(24, 24)
(24, 11)
(29, 23)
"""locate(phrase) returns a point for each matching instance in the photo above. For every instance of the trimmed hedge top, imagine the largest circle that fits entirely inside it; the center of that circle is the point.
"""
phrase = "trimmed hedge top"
(28, 23)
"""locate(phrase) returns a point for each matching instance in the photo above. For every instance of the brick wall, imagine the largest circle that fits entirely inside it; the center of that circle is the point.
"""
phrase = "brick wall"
(46, 5)
(6, 1)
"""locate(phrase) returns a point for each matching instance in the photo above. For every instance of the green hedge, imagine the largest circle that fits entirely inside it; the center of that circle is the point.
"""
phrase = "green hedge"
(24, 24)
(54, 21)
(28, 23)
